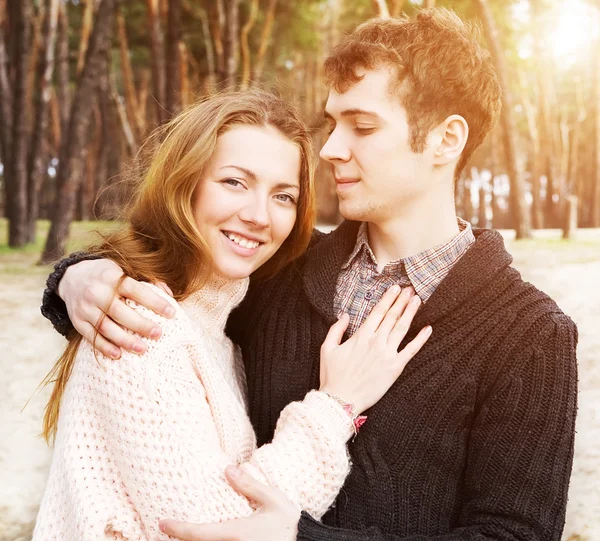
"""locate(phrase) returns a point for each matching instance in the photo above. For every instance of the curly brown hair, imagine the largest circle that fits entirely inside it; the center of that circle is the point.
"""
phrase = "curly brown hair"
(441, 69)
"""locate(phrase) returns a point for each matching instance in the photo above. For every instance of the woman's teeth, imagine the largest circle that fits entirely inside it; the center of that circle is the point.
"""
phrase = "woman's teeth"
(245, 243)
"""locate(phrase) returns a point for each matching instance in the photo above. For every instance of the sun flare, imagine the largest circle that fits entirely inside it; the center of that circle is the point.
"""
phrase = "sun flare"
(574, 30)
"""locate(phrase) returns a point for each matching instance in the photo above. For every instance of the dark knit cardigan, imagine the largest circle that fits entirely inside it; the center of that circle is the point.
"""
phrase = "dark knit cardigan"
(475, 439)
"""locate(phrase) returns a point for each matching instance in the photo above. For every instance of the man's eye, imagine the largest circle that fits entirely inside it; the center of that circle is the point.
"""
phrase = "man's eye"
(364, 131)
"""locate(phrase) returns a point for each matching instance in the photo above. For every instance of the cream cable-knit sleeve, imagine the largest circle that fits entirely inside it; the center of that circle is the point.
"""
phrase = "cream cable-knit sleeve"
(149, 437)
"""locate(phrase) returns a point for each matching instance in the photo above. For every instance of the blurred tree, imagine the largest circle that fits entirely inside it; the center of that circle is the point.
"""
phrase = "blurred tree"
(520, 212)
(70, 169)
(39, 156)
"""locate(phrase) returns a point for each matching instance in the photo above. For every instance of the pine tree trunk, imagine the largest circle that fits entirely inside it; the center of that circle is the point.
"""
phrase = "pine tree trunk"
(217, 22)
(157, 47)
(184, 59)
(546, 137)
(62, 70)
(210, 52)
(131, 104)
(396, 9)
(173, 90)
(142, 100)
(17, 177)
(6, 100)
(86, 30)
(71, 163)
(518, 205)
(537, 211)
(381, 8)
(231, 42)
(245, 48)
(125, 125)
(265, 39)
(481, 211)
(595, 192)
(38, 168)
(110, 154)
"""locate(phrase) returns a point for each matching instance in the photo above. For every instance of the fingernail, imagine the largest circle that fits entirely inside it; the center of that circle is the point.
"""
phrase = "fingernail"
(395, 288)
(115, 353)
(161, 526)
(155, 332)
(169, 311)
(429, 330)
(139, 347)
(415, 300)
(233, 471)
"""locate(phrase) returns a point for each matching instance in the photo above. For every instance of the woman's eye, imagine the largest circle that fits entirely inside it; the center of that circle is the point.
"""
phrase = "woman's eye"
(232, 182)
(285, 198)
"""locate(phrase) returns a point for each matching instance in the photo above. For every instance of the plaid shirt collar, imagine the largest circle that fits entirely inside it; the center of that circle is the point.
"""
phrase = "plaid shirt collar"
(426, 269)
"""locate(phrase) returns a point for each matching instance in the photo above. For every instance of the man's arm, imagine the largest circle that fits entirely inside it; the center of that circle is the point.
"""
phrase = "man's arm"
(86, 294)
(53, 307)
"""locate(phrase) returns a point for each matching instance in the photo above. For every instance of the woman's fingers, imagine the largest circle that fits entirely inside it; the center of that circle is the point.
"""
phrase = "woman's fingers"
(402, 324)
(336, 332)
(413, 347)
(394, 313)
(376, 316)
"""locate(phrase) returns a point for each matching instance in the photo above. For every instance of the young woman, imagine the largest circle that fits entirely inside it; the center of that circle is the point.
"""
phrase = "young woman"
(227, 193)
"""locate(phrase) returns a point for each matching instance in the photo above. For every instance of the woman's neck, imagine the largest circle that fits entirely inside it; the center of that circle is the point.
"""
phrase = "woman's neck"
(215, 300)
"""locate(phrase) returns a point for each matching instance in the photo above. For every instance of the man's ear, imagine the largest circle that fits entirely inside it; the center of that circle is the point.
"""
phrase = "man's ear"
(452, 138)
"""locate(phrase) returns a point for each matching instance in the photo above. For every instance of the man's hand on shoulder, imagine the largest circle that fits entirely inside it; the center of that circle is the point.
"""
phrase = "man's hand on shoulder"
(91, 289)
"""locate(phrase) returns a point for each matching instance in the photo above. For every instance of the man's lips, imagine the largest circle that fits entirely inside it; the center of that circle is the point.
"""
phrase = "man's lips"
(343, 184)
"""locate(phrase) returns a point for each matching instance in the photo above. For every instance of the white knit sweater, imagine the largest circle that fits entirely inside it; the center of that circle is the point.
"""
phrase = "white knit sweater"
(149, 437)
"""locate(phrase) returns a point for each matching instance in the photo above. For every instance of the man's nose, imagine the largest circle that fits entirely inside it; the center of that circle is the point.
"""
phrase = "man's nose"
(335, 148)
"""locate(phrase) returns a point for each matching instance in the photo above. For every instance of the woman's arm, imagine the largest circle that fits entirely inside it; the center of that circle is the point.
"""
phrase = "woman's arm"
(164, 438)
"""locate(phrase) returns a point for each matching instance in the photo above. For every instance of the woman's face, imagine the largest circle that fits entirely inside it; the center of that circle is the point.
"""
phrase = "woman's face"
(245, 202)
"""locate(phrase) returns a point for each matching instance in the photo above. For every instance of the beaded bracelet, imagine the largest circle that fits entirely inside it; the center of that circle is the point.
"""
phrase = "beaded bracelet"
(357, 420)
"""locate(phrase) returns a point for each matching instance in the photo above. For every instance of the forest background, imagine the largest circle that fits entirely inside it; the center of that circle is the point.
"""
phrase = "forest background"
(82, 82)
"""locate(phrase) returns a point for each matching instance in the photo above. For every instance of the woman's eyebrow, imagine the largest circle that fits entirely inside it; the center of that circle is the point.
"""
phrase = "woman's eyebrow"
(287, 186)
(247, 172)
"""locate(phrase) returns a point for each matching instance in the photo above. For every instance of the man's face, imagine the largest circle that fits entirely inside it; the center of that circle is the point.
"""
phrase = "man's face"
(377, 174)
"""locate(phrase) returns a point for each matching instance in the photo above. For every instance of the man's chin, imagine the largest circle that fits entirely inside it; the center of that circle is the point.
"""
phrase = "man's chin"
(352, 212)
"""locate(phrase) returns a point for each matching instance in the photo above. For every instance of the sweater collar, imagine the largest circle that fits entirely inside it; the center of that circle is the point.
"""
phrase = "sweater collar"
(478, 268)
(481, 263)
(213, 303)
(323, 264)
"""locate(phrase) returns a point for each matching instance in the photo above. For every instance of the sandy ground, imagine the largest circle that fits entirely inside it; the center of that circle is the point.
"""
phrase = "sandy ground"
(28, 347)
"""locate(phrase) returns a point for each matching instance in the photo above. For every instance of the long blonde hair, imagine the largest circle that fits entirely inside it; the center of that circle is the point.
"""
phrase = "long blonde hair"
(161, 241)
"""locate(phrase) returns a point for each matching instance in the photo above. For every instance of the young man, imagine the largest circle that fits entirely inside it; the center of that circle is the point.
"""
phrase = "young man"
(475, 439)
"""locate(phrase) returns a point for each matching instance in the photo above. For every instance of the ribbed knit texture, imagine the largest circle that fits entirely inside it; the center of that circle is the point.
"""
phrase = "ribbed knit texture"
(474, 442)
(149, 437)
(475, 439)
